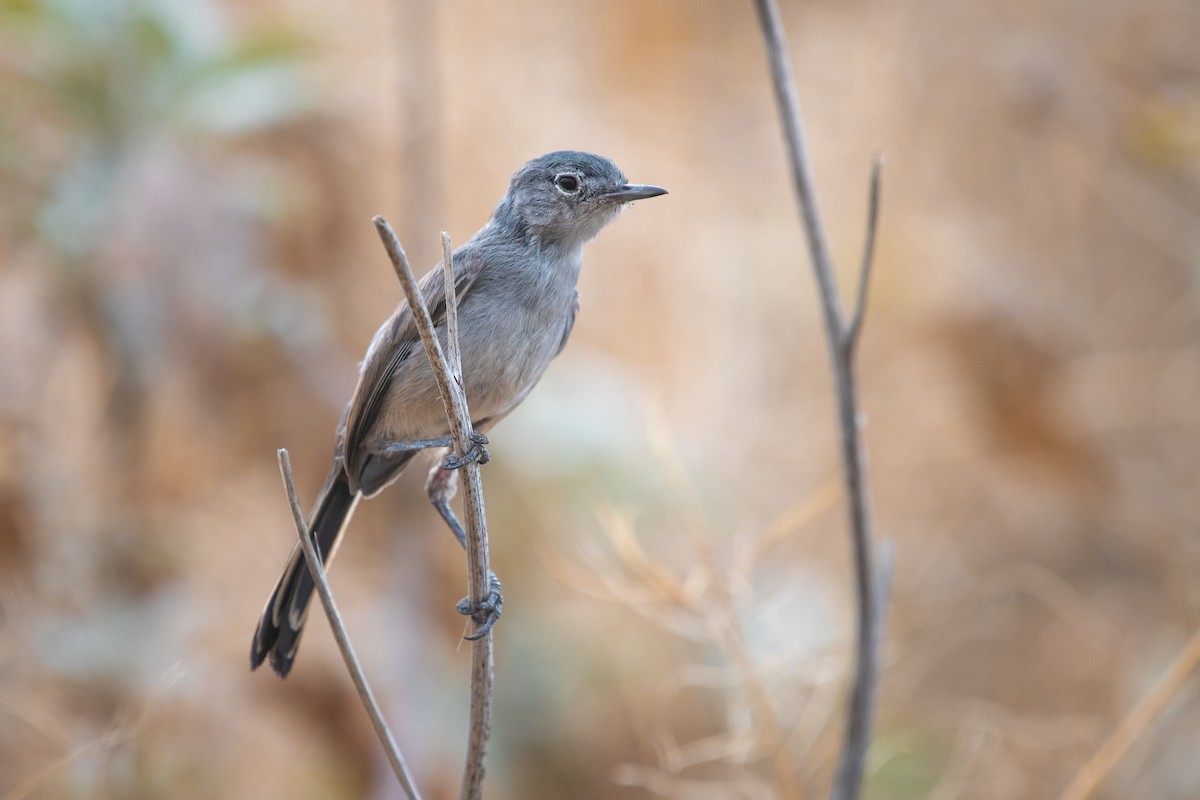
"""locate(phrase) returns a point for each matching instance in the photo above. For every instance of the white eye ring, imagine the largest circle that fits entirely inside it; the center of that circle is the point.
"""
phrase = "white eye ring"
(568, 183)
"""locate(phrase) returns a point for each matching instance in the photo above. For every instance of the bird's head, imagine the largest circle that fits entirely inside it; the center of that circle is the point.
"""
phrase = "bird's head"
(568, 196)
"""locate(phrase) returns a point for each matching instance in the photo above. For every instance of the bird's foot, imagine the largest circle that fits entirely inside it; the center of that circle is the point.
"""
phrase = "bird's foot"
(477, 452)
(486, 611)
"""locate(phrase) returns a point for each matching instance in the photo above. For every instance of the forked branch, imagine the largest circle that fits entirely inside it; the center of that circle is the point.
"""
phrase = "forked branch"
(872, 584)
(448, 374)
(449, 381)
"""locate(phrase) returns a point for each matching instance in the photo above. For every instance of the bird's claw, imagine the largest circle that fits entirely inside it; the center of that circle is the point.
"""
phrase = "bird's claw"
(477, 452)
(486, 612)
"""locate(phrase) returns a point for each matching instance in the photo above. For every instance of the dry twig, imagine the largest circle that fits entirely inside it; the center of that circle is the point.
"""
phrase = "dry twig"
(449, 381)
(448, 374)
(871, 584)
(705, 602)
(317, 570)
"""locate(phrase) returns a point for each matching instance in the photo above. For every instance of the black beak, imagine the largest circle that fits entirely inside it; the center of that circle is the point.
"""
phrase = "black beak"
(633, 191)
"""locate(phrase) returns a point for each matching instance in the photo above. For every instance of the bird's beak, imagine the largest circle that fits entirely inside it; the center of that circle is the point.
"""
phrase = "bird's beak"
(633, 191)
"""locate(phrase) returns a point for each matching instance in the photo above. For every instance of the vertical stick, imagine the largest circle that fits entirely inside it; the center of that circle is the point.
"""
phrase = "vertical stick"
(871, 587)
(459, 418)
(482, 673)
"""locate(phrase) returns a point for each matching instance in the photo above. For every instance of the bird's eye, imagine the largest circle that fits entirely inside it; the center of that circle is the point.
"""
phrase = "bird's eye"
(567, 182)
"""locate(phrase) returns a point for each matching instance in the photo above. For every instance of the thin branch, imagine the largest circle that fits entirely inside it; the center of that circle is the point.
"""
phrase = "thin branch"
(453, 347)
(854, 328)
(317, 570)
(793, 134)
(869, 634)
(477, 554)
(461, 430)
(841, 339)
(1153, 703)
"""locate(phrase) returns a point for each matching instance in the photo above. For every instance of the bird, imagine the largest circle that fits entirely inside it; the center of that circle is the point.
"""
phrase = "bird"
(515, 281)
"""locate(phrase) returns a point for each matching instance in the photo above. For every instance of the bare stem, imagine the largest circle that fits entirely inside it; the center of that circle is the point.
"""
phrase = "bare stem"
(864, 271)
(841, 339)
(453, 349)
(793, 134)
(450, 386)
(317, 570)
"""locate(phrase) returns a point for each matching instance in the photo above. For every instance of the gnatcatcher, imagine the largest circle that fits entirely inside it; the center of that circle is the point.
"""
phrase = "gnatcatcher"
(515, 282)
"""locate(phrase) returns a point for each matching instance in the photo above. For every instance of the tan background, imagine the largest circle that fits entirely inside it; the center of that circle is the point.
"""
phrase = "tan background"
(190, 275)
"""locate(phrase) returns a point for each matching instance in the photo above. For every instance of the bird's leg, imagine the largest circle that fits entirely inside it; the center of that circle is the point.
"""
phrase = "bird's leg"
(441, 486)
(477, 452)
(393, 448)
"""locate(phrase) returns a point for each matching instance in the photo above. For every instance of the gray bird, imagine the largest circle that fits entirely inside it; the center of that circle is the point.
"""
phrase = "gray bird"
(515, 282)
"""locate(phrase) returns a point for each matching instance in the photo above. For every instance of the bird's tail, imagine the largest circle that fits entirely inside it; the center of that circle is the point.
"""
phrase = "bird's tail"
(278, 634)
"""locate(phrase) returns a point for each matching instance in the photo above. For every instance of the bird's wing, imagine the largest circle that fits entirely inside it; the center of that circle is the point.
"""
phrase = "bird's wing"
(566, 334)
(395, 342)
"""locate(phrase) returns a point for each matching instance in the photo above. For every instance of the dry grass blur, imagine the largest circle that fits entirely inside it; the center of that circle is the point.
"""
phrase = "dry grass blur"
(188, 276)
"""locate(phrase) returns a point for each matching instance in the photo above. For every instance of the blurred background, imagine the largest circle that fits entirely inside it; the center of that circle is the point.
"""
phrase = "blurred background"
(188, 277)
